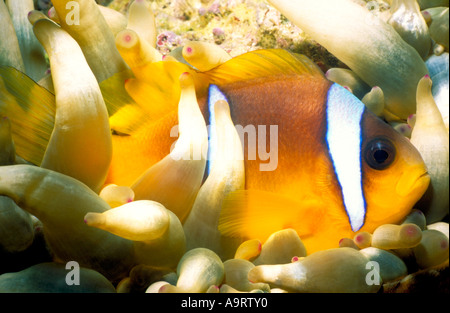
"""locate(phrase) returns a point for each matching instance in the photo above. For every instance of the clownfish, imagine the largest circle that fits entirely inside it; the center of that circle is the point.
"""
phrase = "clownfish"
(340, 169)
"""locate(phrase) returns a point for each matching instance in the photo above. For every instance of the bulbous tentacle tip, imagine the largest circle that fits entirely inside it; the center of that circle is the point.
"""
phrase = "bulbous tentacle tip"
(163, 289)
(416, 217)
(222, 107)
(411, 120)
(411, 231)
(348, 243)
(188, 50)
(34, 16)
(51, 13)
(255, 275)
(363, 240)
(390, 236)
(138, 221)
(186, 80)
(127, 39)
(427, 17)
(248, 250)
(94, 219)
(432, 250)
(404, 129)
(168, 288)
(213, 289)
(204, 56)
(116, 195)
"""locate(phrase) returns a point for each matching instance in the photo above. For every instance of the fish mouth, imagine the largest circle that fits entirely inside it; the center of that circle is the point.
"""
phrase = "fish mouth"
(414, 181)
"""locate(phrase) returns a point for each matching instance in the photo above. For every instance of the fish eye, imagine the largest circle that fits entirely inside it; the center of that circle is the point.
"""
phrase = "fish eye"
(379, 153)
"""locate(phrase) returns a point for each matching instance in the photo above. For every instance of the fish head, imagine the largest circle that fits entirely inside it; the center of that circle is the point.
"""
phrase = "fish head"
(380, 173)
(394, 175)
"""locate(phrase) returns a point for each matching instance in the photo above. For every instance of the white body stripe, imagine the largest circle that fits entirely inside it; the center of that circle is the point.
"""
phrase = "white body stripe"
(344, 114)
(214, 95)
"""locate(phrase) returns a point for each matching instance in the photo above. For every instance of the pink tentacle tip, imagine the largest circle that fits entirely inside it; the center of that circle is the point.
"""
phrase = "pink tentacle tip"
(127, 38)
(411, 231)
(129, 200)
(85, 221)
(427, 76)
(29, 13)
(189, 50)
(294, 259)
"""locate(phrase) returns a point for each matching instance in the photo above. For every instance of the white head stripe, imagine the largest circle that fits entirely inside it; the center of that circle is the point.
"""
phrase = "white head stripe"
(344, 114)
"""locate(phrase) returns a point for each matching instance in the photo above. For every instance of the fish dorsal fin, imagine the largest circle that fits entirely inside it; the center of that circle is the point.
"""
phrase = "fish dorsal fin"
(132, 100)
(31, 109)
(153, 91)
(262, 63)
(256, 214)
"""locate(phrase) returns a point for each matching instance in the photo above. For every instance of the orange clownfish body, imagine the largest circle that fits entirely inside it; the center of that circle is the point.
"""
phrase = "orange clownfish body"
(321, 164)
(337, 169)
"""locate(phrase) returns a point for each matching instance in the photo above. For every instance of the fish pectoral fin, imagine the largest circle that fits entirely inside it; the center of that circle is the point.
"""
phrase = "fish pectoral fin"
(256, 214)
(126, 116)
(114, 93)
(262, 63)
(128, 119)
(31, 110)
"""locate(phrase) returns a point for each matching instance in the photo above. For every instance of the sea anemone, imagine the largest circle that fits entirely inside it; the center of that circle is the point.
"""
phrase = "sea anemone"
(152, 223)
